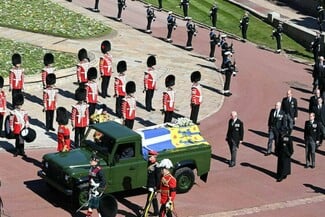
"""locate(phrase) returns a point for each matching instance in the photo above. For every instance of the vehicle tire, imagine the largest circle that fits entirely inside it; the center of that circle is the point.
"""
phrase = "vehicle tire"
(108, 206)
(185, 179)
(80, 197)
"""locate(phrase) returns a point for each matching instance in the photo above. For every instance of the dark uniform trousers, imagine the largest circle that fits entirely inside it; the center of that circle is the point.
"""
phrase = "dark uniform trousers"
(104, 85)
(79, 133)
(228, 74)
(149, 19)
(20, 144)
(278, 41)
(160, 4)
(129, 123)
(118, 106)
(311, 135)
(120, 6)
(149, 96)
(212, 49)
(310, 151)
(14, 92)
(170, 30)
(1, 123)
(244, 30)
(189, 38)
(91, 108)
(194, 112)
(168, 116)
(185, 8)
(96, 4)
(49, 116)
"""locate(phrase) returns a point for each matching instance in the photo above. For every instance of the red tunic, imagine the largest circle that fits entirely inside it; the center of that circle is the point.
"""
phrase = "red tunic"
(82, 69)
(63, 138)
(18, 120)
(167, 188)
(196, 97)
(3, 102)
(92, 92)
(50, 96)
(119, 85)
(105, 65)
(169, 100)
(80, 115)
(45, 72)
(128, 107)
(16, 79)
(149, 79)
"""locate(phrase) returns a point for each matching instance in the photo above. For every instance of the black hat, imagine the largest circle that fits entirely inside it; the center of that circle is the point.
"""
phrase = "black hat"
(106, 46)
(121, 66)
(151, 61)
(82, 54)
(80, 94)
(16, 59)
(19, 99)
(50, 79)
(94, 157)
(62, 116)
(170, 81)
(92, 73)
(130, 87)
(48, 59)
(195, 76)
(1, 82)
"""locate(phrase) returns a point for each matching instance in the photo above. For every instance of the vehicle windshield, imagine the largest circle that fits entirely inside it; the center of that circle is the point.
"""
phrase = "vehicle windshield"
(98, 141)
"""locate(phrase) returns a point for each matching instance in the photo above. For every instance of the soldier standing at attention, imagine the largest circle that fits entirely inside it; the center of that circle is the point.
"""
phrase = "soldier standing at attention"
(48, 69)
(150, 17)
(3, 104)
(277, 33)
(62, 118)
(214, 40)
(213, 14)
(82, 66)
(169, 98)
(243, 25)
(196, 96)
(150, 82)
(129, 105)
(190, 27)
(92, 90)
(50, 98)
(230, 70)
(16, 77)
(120, 6)
(105, 67)
(119, 87)
(171, 24)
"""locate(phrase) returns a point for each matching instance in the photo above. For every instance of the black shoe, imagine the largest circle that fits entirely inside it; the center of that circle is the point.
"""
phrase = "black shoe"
(306, 166)
(52, 129)
(95, 10)
(108, 95)
(279, 179)
(227, 94)
(312, 166)
(15, 154)
(267, 154)
(24, 155)
(148, 110)
(152, 109)
(197, 123)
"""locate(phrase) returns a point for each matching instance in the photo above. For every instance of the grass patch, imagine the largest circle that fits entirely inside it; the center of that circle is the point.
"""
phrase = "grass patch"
(229, 16)
(32, 57)
(44, 16)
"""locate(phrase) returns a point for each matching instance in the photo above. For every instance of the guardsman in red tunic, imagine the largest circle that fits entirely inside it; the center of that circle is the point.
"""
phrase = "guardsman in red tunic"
(119, 87)
(169, 98)
(80, 116)
(48, 69)
(16, 77)
(18, 121)
(196, 96)
(129, 105)
(50, 97)
(62, 118)
(150, 82)
(167, 189)
(82, 66)
(105, 67)
(92, 90)
(3, 103)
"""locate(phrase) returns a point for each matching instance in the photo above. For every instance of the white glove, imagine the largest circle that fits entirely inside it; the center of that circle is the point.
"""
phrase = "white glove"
(94, 193)
(93, 183)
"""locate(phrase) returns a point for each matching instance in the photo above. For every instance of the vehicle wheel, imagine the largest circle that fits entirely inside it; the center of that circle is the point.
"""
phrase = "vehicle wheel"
(80, 197)
(108, 206)
(185, 179)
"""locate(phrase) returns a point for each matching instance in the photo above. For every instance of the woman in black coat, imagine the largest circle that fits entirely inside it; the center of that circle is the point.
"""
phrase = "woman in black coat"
(285, 150)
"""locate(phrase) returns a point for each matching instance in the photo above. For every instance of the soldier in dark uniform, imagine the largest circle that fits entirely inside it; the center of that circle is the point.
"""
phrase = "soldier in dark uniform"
(315, 47)
(190, 27)
(290, 107)
(153, 182)
(276, 122)
(169, 98)
(120, 6)
(171, 24)
(213, 14)
(321, 17)
(243, 25)
(185, 5)
(235, 135)
(196, 96)
(214, 40)
(224, 48)
(312, 135)
(97, 184)
(277, 33)
(230, 70)
(284, 156)
(150, 17)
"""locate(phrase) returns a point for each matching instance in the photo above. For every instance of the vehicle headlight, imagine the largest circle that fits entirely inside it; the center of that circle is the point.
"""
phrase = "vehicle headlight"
(46, 164)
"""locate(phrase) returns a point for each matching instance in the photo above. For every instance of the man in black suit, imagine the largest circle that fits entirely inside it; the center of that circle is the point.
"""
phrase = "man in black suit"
(312, 135)
(235, 135)
(289, 106)
(319, 111)
(276, 122)
(313, 100)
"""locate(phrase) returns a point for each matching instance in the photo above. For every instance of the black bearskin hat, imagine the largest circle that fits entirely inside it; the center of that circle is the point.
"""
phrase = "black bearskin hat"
(92, 73)
(151, 61)
(130, 87)
(82, 54)
(51, 79)
(106, 46)
(16, 59)
(121, 66)
(80, 94)
(196, 76)
(1, 82)
(19, 99)
(48, 59)
(170, 81)
(62, 116)
(94, 157)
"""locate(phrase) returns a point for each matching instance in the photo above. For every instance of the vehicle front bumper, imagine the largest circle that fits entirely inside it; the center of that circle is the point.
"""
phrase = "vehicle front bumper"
(54, 184)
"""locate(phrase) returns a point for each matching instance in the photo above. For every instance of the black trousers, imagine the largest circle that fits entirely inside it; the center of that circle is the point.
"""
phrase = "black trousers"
(170, 30)
(149, 19)
(233, 145)
(227, 80)
(149, 96)
(165, 212)
(120, 8)
(185, 10)
(189, 39)
(49, 117)
(244, 31)
(96, 4)
(129, 123)
(92, 108)
(278, 42)
(168, 116)
(214, 21)
(79, 134)
(160, 4)
(1, 123)
(14, 92)
(104, 85)
(151, 199)
(118, 106)
(194, 112)
(212, 49)
(20, 144)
